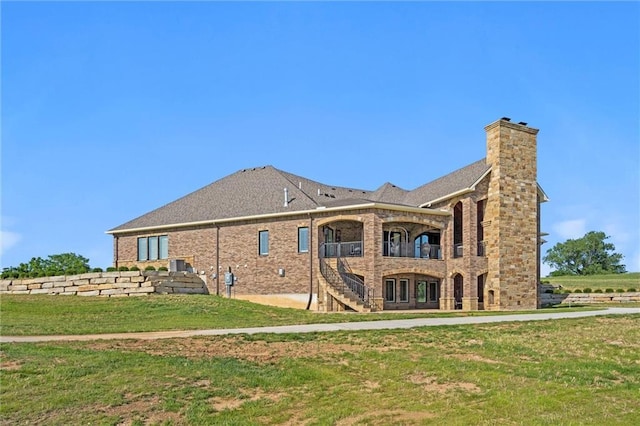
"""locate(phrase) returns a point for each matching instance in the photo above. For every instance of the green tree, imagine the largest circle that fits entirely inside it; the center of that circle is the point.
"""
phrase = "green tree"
(589, 255)
(56, 264)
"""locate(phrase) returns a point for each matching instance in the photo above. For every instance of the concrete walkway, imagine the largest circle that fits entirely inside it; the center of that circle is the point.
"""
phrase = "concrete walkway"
(311, 328)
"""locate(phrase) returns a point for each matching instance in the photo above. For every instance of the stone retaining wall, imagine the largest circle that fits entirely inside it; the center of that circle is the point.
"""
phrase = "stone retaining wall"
(108, 284)
(549, 299)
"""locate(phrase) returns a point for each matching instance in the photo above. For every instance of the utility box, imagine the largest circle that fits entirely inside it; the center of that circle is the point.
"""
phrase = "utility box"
(177, 265)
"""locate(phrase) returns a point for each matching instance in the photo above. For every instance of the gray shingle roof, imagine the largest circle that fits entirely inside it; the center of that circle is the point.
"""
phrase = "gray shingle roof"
(453, 182)
(260, 190)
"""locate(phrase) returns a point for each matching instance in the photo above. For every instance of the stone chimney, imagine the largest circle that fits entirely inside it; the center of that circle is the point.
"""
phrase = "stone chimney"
(511, 216)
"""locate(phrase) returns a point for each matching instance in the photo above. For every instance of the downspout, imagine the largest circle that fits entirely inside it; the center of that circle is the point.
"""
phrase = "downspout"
(310, 262)
(115, 251)
(217, 271)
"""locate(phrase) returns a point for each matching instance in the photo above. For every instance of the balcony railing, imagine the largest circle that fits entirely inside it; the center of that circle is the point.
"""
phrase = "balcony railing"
(426, 251)
(346, 249)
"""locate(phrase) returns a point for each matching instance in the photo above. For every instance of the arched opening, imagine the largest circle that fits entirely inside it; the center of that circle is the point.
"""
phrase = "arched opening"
(457, 230)
(458, 290)
(342, 238)
(427, 246)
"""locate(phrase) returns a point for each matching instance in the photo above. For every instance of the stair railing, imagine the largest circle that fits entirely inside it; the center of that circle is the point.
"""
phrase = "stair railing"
(355, 283)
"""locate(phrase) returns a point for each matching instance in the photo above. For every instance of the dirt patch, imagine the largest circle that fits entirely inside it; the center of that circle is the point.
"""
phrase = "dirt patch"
(474, 357)
(221, 404)
(10, 365)
(144, 409)
(385, 417)
(431, 384)
(228, 347)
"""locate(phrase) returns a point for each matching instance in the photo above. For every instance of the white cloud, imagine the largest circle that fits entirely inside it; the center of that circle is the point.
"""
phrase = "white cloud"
(7, 240)
(571, 229)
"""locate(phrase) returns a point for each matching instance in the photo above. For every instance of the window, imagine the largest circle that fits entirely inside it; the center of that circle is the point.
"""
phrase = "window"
(433, 291)
(163, 243)
(263, 243)
(404, 290)
(390, 290)
(153, 248)
(143, 249)
(303, 240)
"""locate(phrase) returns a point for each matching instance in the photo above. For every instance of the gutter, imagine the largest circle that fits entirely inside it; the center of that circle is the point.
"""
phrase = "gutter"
(445, 197)
(286, 214)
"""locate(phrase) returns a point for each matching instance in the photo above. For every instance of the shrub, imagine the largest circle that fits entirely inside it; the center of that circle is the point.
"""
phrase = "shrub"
(598, 290)
(96, 270)
(122, 268)
(588, 290)
(609, 290)
(163, 268)
(134, 268)
(577, 290)
(566, 291)
(619, 290)
(111, 269)
(631, 290)
(550, 291)
(150, 268)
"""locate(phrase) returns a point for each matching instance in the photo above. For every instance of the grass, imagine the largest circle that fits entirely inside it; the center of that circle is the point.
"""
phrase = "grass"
(614, 281)
(578, 371)
(43, 315)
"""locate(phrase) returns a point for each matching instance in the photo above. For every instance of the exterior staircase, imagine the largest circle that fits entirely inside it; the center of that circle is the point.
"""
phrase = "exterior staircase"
(346, 287)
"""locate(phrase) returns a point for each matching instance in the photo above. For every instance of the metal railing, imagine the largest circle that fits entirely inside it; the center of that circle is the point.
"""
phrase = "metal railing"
(346, 249)
(346, 282)
(426, 251)
(355, 283)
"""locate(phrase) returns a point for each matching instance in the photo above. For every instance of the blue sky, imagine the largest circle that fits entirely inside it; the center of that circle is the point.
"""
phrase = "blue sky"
(112, 109)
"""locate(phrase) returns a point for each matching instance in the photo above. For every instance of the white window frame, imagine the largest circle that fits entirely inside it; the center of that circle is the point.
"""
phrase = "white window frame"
(263, 242)
(305, 248)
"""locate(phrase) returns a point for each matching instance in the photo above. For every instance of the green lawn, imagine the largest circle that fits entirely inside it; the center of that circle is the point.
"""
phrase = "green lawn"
(579, 371)
(614, 281)
(42, 314)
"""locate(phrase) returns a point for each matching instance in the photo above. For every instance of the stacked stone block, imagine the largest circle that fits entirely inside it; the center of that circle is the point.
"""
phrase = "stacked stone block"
(108, 284)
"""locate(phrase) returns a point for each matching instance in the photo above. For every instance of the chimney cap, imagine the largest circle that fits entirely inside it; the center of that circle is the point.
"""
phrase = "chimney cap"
(523, 123)
(505, 119)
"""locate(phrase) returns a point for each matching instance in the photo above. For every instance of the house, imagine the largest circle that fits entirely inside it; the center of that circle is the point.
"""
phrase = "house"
(469, 240)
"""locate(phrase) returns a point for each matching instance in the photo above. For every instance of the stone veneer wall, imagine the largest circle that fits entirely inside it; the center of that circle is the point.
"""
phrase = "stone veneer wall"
(108, 284)
(511, 216)
(550, 299)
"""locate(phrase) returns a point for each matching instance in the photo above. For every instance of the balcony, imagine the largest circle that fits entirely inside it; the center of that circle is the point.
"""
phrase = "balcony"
(402, 249)
(346, 249)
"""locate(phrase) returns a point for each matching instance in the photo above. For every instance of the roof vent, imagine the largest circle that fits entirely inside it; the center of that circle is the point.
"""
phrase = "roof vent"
(522, 123)
(286, 197)
(505, 119)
